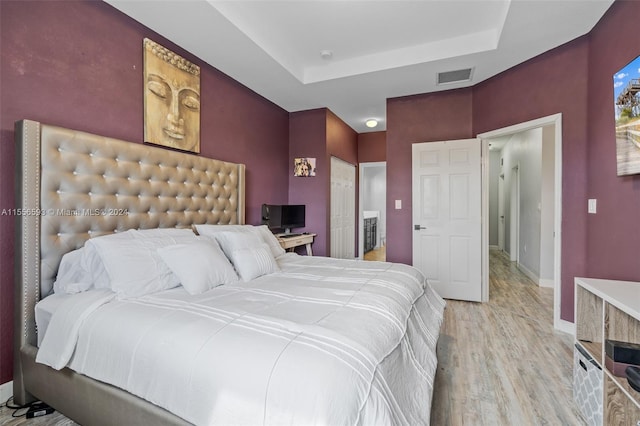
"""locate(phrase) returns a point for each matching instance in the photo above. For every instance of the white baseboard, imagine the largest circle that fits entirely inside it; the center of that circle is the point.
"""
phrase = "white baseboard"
(528, 273)
(546, 282)
(492, 247)
(565, 327)
(6, 391)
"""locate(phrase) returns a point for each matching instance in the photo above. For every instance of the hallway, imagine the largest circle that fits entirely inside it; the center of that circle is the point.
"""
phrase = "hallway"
(501, 362)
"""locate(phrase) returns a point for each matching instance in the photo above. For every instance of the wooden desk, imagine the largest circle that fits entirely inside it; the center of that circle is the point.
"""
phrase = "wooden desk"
(290, 243)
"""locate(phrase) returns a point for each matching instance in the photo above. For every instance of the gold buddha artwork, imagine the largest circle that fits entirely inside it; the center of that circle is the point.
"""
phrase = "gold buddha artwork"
(171, 99)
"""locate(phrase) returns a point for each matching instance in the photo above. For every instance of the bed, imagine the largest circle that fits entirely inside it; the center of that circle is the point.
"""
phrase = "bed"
(295, 344)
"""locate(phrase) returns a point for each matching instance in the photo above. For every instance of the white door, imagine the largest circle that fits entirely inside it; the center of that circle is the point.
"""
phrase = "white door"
(447, 216)
(343, 209)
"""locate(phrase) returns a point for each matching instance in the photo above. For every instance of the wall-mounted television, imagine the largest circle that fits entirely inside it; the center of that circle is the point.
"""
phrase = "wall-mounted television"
(626, 96)
(283, 217)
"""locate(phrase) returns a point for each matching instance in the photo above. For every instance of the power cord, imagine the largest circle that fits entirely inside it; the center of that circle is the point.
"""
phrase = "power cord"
(33, 409)
(16, 408)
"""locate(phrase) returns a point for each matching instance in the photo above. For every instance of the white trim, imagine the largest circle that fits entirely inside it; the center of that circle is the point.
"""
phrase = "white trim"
(545, 282)
(484, 233)
(555, 119)
(529, 273)
(493, 247)
(566, 327)
(6, 391)
(514, 216)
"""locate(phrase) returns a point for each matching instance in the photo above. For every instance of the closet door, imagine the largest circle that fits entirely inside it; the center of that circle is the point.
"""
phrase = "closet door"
(343, 209)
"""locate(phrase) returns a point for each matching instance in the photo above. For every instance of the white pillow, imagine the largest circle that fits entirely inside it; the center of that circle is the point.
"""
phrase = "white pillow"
(211, 230)
(262, 231)
(80, 270)
(199, 265)
(250, 256)
(72, 277)
(267, 236)
(160, 232)
(132, 262)
(92, 264)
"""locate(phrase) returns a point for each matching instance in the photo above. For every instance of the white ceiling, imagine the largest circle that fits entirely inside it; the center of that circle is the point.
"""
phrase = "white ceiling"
(380, 49)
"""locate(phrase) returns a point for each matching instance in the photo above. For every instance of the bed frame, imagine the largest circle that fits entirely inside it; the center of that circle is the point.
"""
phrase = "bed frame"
(71, 186)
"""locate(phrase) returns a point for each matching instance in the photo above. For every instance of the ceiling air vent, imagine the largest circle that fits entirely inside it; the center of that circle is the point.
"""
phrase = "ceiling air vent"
(455, 76)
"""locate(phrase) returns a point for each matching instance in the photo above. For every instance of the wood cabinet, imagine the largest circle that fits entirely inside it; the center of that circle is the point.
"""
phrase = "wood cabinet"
(609, 310)
(370, 233)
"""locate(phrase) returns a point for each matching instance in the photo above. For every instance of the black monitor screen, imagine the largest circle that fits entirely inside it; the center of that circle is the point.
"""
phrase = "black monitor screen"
(284, 217)
(293, 216)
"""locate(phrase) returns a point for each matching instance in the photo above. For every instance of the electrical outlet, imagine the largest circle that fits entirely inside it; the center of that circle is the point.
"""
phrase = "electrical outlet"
(398, 204)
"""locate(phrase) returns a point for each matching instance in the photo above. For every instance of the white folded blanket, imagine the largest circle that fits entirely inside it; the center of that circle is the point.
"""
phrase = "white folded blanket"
(59, 343)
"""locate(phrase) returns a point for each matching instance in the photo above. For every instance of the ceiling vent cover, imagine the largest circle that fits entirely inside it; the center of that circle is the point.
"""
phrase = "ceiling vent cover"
(455, 76)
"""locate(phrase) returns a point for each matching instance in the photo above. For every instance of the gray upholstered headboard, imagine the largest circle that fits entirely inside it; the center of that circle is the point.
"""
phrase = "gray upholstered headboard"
(73, 185)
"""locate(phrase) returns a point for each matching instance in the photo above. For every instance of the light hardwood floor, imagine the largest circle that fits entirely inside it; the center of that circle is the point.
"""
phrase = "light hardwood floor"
(379, 254)
(500, 363)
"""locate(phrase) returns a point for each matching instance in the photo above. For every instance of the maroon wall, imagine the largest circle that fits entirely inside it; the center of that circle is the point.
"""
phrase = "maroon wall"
(613, 234)
(78, 64)
(342, 140)
(420, 118)
(308, 138)
(554, 82)
(372, 147)
(320, 134)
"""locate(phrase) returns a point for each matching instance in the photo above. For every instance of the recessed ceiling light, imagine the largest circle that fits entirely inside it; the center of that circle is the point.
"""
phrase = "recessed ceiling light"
(372, 122)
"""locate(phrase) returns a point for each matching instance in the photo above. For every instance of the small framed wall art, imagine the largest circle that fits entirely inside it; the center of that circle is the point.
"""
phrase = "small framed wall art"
(304, 167)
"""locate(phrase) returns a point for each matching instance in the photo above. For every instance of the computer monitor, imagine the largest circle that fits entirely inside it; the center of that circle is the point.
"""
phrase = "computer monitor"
(283, 216)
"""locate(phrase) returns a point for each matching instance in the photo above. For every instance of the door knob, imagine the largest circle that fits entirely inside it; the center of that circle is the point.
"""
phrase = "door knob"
(418, 227)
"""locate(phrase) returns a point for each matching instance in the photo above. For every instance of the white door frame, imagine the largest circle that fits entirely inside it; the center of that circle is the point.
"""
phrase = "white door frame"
(514, 214)
(501, 213)
(361, 183)
(555, 119)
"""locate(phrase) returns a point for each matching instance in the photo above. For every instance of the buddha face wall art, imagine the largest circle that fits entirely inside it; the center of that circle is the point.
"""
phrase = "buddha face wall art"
(171, 99)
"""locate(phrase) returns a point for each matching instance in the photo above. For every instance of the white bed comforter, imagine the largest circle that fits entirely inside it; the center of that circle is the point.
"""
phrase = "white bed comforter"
(324, 341)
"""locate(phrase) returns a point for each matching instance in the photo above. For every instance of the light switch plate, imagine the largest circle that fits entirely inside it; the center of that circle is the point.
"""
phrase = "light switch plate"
(593, 205)
(398, 204)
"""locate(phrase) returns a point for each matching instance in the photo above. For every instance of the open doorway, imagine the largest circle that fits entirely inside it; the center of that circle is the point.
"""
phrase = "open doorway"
(522, 201)
(372, 215)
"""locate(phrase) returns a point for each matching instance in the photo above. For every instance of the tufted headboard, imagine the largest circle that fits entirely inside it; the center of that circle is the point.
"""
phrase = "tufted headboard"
(72, 186)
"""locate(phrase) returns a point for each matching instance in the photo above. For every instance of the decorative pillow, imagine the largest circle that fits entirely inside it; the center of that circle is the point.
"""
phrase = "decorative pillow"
(132, 262)
(199, 265)
(262, 231)
(270, 240)
(250, 256)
